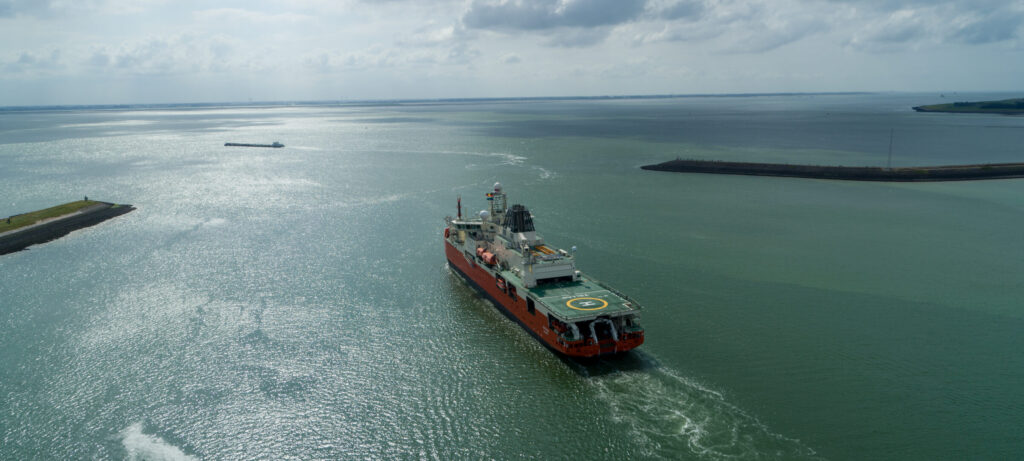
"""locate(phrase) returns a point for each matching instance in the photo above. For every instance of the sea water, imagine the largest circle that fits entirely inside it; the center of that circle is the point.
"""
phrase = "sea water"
(295, 302)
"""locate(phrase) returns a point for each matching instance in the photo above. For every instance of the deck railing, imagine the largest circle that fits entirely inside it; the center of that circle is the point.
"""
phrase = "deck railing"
(633, 305)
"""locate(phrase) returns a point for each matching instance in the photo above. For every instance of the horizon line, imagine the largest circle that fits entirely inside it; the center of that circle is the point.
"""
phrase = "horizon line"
(398, 101)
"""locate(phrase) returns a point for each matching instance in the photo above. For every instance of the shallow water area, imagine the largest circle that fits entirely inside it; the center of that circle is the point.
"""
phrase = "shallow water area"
(295, 302)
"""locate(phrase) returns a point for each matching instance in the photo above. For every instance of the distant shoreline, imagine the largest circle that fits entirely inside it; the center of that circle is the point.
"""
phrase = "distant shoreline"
(1003, 107)
(385, 102)
(907, 174)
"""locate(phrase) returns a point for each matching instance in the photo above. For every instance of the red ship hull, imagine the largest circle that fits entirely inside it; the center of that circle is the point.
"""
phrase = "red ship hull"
(536, 323)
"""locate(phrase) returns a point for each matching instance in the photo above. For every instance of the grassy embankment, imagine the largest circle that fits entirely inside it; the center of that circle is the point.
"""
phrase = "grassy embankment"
(1006, 106)
(28, 219)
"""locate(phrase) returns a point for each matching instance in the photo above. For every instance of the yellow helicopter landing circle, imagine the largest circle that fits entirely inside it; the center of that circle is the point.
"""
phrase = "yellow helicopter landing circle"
(587, 304)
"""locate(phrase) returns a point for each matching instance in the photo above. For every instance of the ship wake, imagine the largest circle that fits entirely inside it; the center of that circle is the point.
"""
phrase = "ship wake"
(141, 446)
(670, 415)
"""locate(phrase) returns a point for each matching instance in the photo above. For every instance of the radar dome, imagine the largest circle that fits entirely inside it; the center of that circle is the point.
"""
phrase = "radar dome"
(497, 187)
(484, 214)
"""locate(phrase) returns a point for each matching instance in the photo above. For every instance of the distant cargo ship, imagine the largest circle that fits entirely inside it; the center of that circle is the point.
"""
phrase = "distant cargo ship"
(238, 144)
(538, 286)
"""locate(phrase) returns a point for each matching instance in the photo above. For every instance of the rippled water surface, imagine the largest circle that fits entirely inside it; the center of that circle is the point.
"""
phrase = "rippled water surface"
(295, 302)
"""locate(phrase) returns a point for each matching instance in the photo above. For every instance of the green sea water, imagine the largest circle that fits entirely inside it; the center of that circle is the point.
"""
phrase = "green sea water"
(295, 302)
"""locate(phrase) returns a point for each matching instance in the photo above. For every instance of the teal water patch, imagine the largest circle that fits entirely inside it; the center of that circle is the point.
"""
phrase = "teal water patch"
(293, 302)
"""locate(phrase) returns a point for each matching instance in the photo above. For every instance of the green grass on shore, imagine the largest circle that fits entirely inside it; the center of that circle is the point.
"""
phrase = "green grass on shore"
(1006, 106)
(27, 219)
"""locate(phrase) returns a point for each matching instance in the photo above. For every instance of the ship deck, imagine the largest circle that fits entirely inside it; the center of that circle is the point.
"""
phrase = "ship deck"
(577, 301)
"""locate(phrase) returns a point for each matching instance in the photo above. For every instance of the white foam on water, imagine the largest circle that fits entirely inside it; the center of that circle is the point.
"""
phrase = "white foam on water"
(673, 417)
(110, 123)
(215, 222)
(370, 201)
(504, 159)
(508, 159)
(146, 447)
(545, 173)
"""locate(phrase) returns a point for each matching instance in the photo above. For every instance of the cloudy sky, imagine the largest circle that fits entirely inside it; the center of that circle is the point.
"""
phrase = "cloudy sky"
(153, 51)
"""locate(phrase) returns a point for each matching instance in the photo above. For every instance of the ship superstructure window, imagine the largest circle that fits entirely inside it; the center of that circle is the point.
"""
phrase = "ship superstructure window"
(530, 306)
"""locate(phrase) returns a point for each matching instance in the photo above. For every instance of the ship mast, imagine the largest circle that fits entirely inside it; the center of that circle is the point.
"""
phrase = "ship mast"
(498, 203)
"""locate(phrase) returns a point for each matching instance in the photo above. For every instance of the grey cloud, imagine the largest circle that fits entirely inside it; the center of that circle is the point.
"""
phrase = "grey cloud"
(685, 9)
(888, 6)
(577, 38)
(766, 40)
(12, 8)
(28, 62)
(153, 55)
(99, 59)
(30, 59)
(550, 14)
(380, 57)
(902, 33)
(743, 26)
(900, 29)
(914, 24)
(584, 13)
(375, 57)
(462, 54)
(996, 27)
(433, 35)
(173, 54)
(736, 26)
(40, 8)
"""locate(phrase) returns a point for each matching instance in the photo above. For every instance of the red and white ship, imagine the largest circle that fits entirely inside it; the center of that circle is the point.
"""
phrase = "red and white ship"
(538, 286)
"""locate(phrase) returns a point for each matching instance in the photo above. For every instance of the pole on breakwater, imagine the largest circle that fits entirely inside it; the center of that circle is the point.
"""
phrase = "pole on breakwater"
(889, 164)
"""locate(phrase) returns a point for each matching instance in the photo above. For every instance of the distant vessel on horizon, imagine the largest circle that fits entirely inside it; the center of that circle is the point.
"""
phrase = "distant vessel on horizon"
(239, 144)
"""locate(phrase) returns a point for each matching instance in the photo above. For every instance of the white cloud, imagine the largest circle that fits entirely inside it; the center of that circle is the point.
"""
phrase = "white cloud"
(231, 16)
(442, 48)
(433, 35)
(177, 54)
(576, 37)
